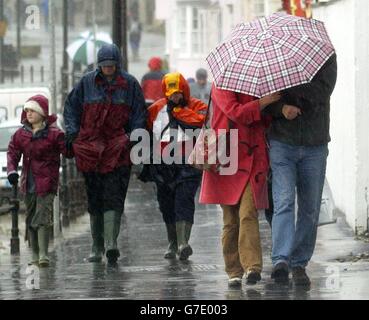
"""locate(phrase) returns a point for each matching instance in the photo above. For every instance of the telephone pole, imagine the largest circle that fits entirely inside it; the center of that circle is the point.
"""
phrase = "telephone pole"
(52, 83)
(2, 41)
(120, 28)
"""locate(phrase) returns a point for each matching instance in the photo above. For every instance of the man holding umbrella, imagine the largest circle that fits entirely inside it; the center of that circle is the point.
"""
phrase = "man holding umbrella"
(299, 139)
(100, 113)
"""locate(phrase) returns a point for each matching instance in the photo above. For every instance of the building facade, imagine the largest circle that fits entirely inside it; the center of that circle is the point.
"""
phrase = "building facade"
(348, 170)
(195, 27)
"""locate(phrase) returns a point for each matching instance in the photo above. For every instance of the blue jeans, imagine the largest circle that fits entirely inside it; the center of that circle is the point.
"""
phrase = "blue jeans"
(301, 169)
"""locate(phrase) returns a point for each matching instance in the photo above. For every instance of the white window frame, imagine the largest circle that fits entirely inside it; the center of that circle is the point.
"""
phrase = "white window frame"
(186, 49)
(3, 117)
(19, 107)
(257, 4)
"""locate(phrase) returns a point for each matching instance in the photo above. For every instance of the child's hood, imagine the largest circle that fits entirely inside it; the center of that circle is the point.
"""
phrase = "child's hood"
(41, 103)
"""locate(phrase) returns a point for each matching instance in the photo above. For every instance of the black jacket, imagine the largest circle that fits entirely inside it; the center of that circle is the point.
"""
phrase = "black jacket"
(312, 127)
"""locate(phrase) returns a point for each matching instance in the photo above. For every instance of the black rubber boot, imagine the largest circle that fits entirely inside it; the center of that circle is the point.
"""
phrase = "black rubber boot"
(97, 233)
(33, 237)
(172, 239)
(183, 236)
(111, 232)
(43, 243)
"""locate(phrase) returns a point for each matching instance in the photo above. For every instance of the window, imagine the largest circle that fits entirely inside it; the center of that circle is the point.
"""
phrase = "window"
(191, 26)
(195, 31)
(182, 28)
(3, 114)
(259, 8)
(18, 112)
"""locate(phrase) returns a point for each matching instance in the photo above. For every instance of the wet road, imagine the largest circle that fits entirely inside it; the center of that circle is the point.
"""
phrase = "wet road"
(142, 272)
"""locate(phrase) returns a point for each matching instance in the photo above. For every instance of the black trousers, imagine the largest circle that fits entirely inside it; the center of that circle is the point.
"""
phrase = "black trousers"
(176, 191)
(107, 192)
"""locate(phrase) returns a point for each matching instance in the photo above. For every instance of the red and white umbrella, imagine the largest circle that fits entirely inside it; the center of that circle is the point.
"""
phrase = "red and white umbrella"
(270, 54)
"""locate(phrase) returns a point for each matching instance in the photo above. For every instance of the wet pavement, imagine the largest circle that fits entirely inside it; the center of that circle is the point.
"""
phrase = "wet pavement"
(142, 273)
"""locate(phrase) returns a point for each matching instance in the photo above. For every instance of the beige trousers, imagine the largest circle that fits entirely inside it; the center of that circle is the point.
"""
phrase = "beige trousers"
(241, 238)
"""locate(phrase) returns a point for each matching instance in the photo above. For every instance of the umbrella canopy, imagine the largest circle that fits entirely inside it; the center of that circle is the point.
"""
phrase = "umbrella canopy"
(270, 54)
(82, 50)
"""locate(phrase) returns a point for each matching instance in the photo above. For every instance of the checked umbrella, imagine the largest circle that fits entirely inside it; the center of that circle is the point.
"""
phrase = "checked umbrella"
(270, 54)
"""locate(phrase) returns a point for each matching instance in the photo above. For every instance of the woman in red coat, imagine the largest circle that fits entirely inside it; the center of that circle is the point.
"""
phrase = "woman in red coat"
(243, 193)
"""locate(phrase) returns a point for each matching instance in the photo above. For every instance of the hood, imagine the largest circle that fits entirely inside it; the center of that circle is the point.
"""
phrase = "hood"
(175, 82)
(41, 102)
(155, 64)
(110, 52)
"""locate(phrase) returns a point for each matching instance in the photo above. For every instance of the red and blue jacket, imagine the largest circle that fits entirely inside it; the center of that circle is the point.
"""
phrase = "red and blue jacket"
(103, 114)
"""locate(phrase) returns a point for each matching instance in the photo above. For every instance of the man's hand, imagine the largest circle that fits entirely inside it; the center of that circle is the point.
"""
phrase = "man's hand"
(269, 99)
(291, 112)
(69, 139)
(13, 178)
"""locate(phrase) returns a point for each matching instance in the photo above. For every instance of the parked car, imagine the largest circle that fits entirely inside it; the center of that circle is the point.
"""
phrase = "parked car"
(12, 100)
(7, 129)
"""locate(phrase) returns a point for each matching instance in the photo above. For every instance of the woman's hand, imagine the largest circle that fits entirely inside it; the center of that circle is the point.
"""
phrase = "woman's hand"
(269, 99)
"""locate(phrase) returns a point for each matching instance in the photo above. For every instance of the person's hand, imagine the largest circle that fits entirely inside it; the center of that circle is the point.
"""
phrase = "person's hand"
(291, 112)
(171, 105)
(69, 139)
(13, 178)
(269, 99)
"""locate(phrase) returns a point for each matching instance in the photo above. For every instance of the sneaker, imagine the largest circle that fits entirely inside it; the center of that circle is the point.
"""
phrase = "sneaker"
(235, 282)
(253, 277)
(280, 272)
(300, 277)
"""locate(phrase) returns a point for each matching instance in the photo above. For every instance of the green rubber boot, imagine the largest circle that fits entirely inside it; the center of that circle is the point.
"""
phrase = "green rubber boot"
(111, 232)
(183, 236)
(172, 239)
(34, 246)
(97, 233)
(43, 243)
(188, 229)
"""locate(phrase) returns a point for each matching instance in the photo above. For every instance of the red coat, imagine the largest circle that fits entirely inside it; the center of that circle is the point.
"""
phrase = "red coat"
(42, 155)
(152, 86)
(103, 115)
(244, 113)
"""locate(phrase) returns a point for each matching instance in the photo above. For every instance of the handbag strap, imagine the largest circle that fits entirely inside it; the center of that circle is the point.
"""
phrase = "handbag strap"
(205, 126)
(207, 114)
